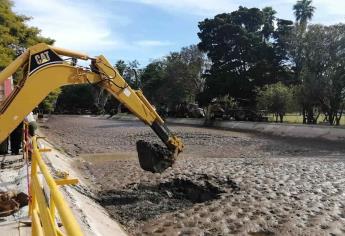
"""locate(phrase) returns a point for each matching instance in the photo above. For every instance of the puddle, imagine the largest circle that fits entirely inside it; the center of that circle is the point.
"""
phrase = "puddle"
(103, 157)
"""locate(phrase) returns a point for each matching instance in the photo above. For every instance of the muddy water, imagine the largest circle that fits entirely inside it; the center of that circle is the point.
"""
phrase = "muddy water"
(104, 157)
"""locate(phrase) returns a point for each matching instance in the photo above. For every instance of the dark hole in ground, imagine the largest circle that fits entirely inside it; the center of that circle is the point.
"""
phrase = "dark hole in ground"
(141, 202)
(262, 233)
(203, 189)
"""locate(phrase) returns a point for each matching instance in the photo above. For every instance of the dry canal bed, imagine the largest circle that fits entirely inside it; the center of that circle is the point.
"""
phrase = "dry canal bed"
(225, 183)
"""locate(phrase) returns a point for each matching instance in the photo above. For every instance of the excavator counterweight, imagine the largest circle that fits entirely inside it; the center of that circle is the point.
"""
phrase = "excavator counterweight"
(45, 69)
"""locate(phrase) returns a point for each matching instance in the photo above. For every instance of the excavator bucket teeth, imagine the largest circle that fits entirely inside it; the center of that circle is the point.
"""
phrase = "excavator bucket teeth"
(153, 157)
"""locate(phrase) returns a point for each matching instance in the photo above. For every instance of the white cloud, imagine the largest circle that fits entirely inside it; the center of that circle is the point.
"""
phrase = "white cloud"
(327, 12)
(74, 25)
(198, 7)
(152, 43)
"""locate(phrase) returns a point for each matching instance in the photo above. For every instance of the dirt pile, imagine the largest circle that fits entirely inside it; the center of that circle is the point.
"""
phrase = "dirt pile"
(198, 188)
(11, 202)
(139, 202)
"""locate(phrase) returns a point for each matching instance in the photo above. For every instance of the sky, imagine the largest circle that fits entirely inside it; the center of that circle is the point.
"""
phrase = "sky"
(144, 30)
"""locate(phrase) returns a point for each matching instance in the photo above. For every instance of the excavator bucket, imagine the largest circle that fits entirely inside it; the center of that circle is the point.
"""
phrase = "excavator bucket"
(153, 157)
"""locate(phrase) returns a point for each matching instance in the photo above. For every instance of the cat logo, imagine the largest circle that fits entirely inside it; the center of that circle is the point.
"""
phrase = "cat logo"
(45, 58)
(42, 58)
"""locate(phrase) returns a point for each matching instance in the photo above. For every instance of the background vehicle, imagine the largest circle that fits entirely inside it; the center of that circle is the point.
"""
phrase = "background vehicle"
(221, 110)
(184, 110)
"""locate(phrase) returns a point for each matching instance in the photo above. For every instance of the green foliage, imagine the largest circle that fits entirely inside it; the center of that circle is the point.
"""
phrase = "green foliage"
(75, 98)
(246, 52)
(228, 102)
(276, 98)
(16, 36)
(175, 79)
(153, 80)
(121, 66)
(323, 71)
(48, 104)
(303, 11)
(130, 72)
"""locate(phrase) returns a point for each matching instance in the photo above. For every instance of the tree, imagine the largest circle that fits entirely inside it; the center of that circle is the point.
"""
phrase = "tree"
(131, 74)
(16, 36)
(307, 96)
(303, 11)
(153, 80)
(269, 18)
(75, 98)
(175, 79)
(275, 98)
(197, 64)
(48, 104)
(324, 69)
(245, 51)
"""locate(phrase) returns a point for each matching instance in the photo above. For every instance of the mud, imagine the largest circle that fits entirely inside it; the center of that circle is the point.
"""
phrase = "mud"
(139, 202)
(153, 157)
(224, 183)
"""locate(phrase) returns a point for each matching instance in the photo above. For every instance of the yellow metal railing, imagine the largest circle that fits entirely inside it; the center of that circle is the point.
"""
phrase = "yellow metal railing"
(42, 210)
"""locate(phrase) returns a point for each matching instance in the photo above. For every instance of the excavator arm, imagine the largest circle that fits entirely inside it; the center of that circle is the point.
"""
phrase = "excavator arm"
(45, 69)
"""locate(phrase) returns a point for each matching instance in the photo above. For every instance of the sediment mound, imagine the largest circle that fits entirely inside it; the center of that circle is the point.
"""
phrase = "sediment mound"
(144, 201)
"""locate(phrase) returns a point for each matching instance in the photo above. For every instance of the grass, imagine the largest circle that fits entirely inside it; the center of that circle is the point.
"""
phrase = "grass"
(296, 118)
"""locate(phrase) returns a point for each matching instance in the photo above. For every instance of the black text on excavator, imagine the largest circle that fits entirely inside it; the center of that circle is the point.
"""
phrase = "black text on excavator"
(46, 68)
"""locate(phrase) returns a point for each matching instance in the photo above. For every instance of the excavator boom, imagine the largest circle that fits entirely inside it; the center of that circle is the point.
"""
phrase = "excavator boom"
(45, 69)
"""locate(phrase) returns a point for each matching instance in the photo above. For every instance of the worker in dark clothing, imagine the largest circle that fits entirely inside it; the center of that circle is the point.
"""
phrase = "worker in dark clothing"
(16, 139)
(4, 147)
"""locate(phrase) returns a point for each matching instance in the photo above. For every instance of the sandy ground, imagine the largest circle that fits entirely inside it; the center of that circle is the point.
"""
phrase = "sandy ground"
(225, 183)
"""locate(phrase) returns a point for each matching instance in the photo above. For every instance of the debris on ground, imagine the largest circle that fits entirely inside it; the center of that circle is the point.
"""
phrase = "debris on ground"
(11, 202)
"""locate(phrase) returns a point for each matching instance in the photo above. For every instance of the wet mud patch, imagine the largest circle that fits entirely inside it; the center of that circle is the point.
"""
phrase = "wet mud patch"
(262, 233)
(203, 188)
(140, 202)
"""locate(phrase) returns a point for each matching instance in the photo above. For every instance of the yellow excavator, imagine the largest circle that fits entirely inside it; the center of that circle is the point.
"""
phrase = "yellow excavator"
(46, 68)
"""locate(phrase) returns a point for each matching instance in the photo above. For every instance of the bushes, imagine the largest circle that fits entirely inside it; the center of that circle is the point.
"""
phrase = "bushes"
(276, 98)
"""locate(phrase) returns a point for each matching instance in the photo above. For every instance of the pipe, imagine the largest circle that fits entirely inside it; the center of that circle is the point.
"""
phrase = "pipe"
(70, 53)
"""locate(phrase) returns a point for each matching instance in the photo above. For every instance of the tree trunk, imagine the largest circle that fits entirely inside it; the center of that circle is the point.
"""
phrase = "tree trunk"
(281, 116)
(337, 121)
(331, 118)
(338, 117)
(119, 108)
(304, 115)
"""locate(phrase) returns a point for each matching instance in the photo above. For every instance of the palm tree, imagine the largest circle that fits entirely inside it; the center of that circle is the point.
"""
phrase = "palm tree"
(303, 11)
(269, 17)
